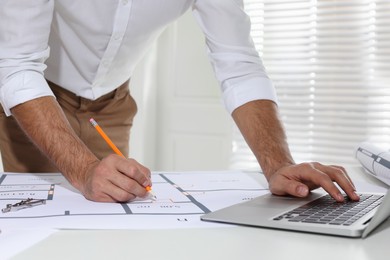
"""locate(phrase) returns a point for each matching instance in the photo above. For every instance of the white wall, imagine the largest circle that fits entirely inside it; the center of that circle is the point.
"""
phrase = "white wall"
(191, 130)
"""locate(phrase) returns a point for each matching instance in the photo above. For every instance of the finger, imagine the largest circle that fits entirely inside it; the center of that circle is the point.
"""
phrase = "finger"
(323, 180)
(106, 192)
(125, 177)
(117, 194)
(342, 179)
(120, 195)
(308, 173)
(128, 187)
(144, 170)
(345, 173)
(284, 186)
(130, 168)
(102, 197)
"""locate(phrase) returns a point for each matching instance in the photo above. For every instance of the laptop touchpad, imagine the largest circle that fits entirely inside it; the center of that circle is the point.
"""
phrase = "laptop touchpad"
(274, 201)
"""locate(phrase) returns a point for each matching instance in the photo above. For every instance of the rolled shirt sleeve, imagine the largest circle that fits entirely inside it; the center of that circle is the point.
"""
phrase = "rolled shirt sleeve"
(236, 62)
(25, 29)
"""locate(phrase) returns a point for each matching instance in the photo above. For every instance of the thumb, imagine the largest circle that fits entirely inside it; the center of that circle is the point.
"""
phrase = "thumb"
(290, 187)
(301, 190)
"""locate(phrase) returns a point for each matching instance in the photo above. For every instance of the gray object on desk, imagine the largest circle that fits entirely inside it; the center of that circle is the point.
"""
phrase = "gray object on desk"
(266, 211)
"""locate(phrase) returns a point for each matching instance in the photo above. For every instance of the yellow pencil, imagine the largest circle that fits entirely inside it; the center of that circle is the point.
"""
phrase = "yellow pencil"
(105, 137)
(113, 146)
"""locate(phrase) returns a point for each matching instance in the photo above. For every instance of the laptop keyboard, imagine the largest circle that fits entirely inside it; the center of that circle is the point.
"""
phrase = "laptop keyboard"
(325, 210)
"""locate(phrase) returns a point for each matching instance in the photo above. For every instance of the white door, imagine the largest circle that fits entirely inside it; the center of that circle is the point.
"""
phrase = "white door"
(193, 129)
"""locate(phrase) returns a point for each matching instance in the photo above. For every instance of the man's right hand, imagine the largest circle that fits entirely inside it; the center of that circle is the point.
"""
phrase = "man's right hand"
(112, 179)
(115, 179)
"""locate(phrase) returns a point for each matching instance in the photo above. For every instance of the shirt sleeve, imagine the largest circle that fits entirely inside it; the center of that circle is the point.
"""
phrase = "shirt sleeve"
(25, 28)
(236, 62)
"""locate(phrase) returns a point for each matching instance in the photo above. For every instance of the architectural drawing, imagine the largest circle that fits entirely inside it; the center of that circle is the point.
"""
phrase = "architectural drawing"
(179, 195)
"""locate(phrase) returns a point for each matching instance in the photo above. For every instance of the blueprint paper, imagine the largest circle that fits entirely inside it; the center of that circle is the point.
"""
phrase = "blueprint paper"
(375, 160)
(181, 199)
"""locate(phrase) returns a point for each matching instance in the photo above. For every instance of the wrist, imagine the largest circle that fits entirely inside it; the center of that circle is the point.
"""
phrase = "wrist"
(78, 178)
(270, 170)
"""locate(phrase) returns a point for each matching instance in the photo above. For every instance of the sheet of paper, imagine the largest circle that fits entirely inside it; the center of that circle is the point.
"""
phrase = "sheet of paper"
(181, 199)
(375, 160)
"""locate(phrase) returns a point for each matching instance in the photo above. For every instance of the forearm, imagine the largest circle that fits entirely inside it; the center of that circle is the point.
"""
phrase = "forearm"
(263, 131)
(44, 122)
(259, 124)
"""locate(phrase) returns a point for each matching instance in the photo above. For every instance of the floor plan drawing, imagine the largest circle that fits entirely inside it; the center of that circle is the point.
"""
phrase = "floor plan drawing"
(179, 197)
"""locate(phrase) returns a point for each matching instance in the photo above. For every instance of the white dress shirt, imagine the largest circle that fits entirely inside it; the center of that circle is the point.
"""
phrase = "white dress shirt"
(95, 45)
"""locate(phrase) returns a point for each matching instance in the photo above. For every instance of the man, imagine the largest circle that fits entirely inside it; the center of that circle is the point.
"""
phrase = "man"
(94, 47)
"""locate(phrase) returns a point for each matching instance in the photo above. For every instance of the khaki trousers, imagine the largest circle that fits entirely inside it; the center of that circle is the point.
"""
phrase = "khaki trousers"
(114, 112)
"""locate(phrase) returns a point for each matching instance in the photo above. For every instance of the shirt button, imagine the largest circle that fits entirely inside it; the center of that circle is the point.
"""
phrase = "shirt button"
(124, 2)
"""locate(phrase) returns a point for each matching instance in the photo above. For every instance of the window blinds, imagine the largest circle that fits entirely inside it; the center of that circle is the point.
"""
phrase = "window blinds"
(330, 63)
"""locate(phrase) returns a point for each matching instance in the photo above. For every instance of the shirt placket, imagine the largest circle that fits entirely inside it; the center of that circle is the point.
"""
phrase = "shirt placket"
(119, 28)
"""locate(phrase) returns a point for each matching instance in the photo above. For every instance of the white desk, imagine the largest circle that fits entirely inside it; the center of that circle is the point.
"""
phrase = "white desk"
(216, 243)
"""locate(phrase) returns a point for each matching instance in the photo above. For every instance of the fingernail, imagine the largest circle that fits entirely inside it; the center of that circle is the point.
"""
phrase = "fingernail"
(340, 197)
(302, 191)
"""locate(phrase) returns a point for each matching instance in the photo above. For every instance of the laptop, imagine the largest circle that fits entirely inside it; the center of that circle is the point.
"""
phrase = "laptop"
(318, 213)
